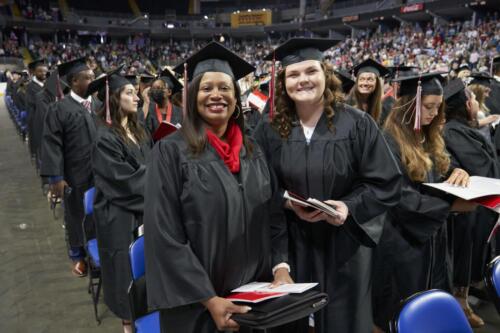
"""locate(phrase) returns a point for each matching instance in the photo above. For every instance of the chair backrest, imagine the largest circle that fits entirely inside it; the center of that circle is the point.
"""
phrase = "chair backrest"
(492, 281)
(430, 311)
(88, 201)
(136, 253)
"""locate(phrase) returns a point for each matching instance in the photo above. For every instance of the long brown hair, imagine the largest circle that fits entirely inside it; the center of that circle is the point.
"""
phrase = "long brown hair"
(117, 115)
(480, 91)
(193, 125)
(374, 100)
(418, 158)
(285, 107)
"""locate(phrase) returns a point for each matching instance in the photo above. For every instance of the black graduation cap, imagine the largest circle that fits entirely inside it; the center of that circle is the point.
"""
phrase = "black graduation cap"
(453, 88)
(347, 81)
(214, 57)
(431, 83)
(401, 71)
(370, 66)
(146, 77)
(170, 80)
(115, 82)
(463, 67)
(132, 79)
(297, 50)
(72, 67)
(35, 63)
(481, 78)
(55, 85)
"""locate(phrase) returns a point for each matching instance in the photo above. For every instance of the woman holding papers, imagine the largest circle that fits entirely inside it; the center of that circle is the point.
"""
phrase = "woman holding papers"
(323, 149)
(473, 152)
(207, 215)
(412, 255)
(118, 162)
(161, 107)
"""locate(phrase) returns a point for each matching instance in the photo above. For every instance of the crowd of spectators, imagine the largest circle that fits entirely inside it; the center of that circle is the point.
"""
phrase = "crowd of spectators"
(35, 10)
(428, 47)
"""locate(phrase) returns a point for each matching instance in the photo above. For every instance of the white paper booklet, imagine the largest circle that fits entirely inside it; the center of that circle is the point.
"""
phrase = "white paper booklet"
(478, 187)
(295, 288)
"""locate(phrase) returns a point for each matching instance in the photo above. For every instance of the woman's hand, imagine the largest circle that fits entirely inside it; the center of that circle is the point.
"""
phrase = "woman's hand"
(342, 211)
(458, 177)
(281, 276)
(221, 310)
(305, 213)
(462, 206)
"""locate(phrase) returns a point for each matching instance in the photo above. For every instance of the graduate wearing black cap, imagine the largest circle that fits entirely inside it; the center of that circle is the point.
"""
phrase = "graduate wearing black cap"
(119, 156)
(369, 89)
(412, 255)
(38, 69)
(69, 131)
(161, 107)
(463, 71)
(322, 148)
(472, 152)
(208, 189)
(493, 101)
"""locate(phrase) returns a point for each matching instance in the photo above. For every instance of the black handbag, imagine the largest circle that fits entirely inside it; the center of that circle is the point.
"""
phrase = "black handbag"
(282, 310)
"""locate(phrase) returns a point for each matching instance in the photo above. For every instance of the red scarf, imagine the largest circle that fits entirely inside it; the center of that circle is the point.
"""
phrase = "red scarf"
(159, 116)
(229, 151)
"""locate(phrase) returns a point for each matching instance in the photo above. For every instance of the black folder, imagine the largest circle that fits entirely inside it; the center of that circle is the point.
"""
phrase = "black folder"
(282, 310)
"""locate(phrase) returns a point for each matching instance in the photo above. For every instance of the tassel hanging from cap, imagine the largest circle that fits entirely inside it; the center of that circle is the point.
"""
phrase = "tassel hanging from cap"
(108, 115)
(185, 92)
(418, 108)
(272, 88)
(59, 91)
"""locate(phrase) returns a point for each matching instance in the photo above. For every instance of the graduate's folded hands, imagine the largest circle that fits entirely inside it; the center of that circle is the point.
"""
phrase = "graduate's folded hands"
(221, 311)
(342, 211)
(306, 214)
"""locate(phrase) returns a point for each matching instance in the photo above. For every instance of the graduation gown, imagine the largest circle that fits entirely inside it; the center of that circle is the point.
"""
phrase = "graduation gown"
(43, 100)
(353, 165)
(68, 134)
(477, 156)
(412, 255)
(32, 89)
(152, 122)
(493, 101)
(119, 175)
(207, 231)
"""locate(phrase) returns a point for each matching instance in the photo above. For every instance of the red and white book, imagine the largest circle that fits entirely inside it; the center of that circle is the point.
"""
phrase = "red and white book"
(257, 99)
(165, 129)
(254, 296)
(311, 203)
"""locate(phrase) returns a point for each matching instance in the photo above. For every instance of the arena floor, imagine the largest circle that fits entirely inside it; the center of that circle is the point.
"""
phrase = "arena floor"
(38, 294)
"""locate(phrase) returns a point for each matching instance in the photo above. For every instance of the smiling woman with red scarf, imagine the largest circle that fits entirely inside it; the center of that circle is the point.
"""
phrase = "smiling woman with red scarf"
(208, 194)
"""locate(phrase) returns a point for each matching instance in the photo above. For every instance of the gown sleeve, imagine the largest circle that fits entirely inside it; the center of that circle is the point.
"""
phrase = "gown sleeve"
(419, 214)
(379, 180)
(52, 144)
(175, 276)
(120, 177)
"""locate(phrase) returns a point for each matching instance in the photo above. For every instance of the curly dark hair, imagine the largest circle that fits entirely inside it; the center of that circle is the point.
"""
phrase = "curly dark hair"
(285, 112)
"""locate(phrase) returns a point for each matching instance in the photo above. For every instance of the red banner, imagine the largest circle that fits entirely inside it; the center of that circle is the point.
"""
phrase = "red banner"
(412, 8)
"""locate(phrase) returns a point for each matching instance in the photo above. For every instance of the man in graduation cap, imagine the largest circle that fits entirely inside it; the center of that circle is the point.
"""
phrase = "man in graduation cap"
(38, 70)
(476, 155)
(206, 213)
(161, 107)
(493, 102)
(66, 142)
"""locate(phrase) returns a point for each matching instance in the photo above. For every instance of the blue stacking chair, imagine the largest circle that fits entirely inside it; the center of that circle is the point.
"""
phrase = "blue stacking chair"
(93, 261)
(431, 311)
(492, 281)
(143, 320)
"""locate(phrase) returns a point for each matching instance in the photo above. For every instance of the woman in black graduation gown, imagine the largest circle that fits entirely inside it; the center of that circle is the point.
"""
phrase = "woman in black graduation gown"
(324, 149)
(367, 92)
(412, 255)
(161, 107)
(207, 216)
(118, 161)
(475, 154)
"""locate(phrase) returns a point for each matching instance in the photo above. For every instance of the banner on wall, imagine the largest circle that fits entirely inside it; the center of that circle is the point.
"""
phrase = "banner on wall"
(254, 17)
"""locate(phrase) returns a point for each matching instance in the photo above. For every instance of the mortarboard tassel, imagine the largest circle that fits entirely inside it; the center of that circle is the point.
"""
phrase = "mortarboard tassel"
(185, 92)
(59, 91)
(418, 105)
(272, 88)
(108, 115)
